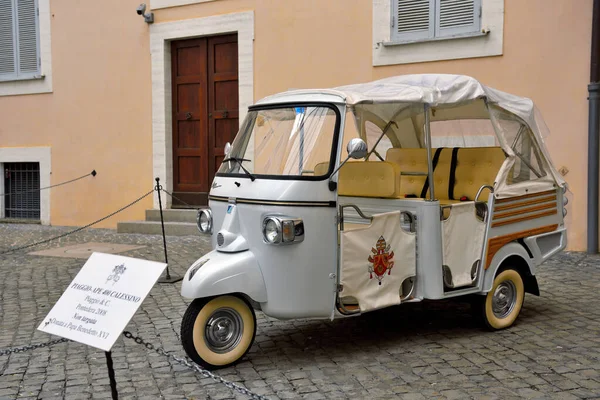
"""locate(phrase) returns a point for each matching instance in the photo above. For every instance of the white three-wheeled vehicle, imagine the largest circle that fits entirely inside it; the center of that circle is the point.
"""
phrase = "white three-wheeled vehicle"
(336, 202)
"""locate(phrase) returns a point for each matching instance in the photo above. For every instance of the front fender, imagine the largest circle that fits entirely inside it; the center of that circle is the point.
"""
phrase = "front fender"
(509, 249)
(225, 273)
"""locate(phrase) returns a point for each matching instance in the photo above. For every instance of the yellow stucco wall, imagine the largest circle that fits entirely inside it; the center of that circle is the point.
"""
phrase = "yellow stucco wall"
(99, 115)
(546, 57)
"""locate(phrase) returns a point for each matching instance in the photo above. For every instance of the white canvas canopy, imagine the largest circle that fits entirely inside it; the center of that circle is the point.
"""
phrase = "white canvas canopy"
(401, 99)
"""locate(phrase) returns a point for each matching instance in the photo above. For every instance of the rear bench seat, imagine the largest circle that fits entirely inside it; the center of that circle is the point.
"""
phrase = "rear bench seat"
(458, 174)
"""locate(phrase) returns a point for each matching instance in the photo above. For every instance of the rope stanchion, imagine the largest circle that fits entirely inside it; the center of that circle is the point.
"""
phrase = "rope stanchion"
(168, 277)
(93, 173)
(78, 229)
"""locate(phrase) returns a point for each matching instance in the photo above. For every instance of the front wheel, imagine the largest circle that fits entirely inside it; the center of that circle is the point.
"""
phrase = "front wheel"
(501, 306)
(217, 332)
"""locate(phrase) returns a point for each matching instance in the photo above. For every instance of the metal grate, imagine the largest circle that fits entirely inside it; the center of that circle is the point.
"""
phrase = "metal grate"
(21, 188)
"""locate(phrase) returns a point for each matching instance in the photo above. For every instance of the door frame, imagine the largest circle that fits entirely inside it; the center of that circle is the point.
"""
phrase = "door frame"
(160, 48)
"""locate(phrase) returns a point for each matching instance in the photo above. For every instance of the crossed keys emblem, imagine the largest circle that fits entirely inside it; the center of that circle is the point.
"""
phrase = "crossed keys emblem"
(116, 273)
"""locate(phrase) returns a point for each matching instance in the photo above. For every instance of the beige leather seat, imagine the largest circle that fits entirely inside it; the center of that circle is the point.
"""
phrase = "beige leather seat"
(475, 167)
(409, 160)
(366, 179)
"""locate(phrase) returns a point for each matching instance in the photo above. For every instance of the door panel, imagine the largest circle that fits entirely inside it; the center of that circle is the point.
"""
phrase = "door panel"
(376, 260)
(190, 133)
(462, 240)
(205, 111)
(223, 97)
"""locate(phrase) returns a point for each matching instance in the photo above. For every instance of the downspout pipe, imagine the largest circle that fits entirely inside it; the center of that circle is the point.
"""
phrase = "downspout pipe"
(593, 134)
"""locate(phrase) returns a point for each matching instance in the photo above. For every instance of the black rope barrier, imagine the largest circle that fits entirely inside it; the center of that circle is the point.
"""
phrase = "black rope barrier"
(93, 173)
(177, 198)
(78, 229)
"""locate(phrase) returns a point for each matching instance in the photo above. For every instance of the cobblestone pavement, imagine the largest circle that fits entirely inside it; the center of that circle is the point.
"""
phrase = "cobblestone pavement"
(415, 351)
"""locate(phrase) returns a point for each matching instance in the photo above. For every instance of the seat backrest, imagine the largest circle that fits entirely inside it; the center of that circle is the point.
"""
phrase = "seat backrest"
(369, 179)
(441, 174)
(409, 160)
(476, 166)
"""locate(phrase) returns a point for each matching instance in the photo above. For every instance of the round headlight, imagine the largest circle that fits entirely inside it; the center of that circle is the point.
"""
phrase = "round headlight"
(204, 220)
(272, 230)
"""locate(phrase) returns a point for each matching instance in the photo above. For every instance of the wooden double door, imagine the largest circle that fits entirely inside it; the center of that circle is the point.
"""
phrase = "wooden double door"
(205, 112)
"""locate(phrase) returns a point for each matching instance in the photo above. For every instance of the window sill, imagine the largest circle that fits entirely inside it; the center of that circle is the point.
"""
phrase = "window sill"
(23, 78)
(437, 39)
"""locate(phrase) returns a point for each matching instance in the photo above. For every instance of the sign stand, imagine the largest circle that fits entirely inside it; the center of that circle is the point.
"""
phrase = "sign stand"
(168, 277)
(111, 375)
(100, 301)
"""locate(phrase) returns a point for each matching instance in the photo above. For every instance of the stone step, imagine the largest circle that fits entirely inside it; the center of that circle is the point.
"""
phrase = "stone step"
(154, 228)
(172, 215)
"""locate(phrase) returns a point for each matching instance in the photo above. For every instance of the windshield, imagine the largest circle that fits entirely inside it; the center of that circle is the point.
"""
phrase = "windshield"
(284, 141)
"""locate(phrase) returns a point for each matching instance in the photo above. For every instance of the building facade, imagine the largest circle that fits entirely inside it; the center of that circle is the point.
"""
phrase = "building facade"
(91, 85)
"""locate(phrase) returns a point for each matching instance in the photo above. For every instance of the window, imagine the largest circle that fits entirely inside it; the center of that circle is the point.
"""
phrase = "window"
(285, 141)
(416, 20)
(19, 40)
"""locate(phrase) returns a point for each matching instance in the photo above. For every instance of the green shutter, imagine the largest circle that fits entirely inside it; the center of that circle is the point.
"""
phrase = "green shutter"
(27, 37)
(8, 55)
(19, 39)
(457, 17)
(412, 19)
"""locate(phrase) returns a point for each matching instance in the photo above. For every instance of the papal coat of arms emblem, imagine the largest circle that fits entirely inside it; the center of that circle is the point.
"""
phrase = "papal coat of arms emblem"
(116, 273)
(381, 260)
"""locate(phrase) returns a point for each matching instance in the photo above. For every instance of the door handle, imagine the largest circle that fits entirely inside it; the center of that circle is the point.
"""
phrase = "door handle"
(188, 115)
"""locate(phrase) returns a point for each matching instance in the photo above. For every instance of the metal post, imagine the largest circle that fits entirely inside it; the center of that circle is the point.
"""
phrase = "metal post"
(429, 160)
(593, 164)
(168, 278)
(111, 375)
(593, 126)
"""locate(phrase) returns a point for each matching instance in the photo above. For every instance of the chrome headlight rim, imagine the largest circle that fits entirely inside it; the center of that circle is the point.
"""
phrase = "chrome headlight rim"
(294, 226)
(207, 213)
(278, 229)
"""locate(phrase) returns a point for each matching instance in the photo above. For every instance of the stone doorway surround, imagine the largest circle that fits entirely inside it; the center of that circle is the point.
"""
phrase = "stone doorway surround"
(160, 37)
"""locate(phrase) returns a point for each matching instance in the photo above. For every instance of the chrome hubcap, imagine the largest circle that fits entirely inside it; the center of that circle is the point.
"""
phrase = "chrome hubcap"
(223, 330)
(504, 300)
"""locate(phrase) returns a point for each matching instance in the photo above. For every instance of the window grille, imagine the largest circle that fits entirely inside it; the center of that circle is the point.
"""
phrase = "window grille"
(21, 189)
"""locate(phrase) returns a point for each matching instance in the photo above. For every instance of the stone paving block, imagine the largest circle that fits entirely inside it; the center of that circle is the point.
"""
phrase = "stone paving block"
(427, 350)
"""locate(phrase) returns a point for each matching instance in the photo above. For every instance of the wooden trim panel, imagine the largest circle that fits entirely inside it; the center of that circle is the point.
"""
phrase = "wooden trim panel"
(526, 196)
(525, 218)
(525, 210)
(496, 243)
(525, 203)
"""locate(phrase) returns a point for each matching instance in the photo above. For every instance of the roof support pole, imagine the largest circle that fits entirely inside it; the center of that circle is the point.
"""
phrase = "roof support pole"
(429, 160)
(593, 132)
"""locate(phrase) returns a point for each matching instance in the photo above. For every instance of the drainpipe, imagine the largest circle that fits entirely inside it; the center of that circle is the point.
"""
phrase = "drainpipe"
(593, 132)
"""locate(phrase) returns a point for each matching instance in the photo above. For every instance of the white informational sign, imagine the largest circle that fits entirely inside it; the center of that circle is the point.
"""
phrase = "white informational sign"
(101, 300)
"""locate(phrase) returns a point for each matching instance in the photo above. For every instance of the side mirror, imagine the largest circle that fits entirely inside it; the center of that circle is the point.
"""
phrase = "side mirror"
(357, 148)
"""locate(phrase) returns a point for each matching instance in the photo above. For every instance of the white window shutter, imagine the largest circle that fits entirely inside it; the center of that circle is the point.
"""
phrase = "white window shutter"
(412, 20)
(27, 27)
(457, 17)
(8, 54)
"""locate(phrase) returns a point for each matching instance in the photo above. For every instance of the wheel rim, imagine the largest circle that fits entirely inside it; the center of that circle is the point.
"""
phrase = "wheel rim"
(504, 299)
(224, 330)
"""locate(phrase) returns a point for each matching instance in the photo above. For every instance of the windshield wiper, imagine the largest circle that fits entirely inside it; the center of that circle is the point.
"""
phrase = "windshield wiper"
(240, 160)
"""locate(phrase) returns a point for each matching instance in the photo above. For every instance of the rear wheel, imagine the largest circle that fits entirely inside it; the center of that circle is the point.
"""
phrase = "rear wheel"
(217, 332)
(501, 306)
